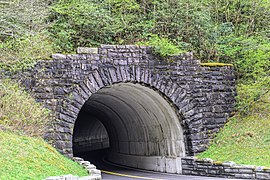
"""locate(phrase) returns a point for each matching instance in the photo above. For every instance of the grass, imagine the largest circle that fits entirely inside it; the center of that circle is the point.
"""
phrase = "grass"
(19, 111)
(245, 139)
(24, 157)
(23, 153)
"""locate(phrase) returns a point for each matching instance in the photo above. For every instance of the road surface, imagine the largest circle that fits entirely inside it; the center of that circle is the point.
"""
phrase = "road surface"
(112, 171)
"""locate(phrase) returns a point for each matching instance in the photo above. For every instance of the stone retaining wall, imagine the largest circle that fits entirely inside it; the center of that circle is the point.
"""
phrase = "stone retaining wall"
(94, 173)
(207, 167)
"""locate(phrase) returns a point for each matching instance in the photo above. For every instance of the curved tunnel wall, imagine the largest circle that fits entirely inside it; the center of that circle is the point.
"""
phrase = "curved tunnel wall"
(139, 122)
(89, 134)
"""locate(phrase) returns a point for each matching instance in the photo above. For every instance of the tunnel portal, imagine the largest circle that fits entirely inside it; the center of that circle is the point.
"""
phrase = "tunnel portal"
(122, 97)
(136, 123)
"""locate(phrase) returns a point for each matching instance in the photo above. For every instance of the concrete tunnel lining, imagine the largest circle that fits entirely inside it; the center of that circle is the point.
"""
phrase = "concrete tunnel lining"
(133, 121)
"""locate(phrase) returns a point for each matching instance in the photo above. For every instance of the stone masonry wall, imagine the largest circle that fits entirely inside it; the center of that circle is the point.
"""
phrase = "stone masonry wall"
(207, 167)
(204, 96)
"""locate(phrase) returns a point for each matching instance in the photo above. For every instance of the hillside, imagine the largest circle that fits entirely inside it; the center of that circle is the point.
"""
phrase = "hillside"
(244, 139)
(24, 154)
(24, 157)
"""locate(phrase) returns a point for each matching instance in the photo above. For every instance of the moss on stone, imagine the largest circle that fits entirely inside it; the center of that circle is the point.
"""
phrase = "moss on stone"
(215, 64)
(217, 162)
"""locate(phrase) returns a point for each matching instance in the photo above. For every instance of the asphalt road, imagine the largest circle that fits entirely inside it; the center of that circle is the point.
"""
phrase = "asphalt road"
(131, 174)
(112, 171)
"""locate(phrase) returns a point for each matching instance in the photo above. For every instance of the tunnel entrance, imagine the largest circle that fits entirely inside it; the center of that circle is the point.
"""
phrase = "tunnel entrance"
(136, 126)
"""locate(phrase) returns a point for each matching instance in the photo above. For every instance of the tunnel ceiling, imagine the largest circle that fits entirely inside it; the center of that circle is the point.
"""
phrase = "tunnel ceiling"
(131, 119)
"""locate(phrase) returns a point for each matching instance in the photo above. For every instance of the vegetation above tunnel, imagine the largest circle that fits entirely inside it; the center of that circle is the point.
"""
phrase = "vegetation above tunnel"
(225, 31)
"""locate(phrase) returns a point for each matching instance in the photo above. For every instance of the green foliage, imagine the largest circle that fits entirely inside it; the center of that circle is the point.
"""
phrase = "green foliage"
(19, 112)
(251, 93)
(185, 22)
(25, 157)
(244, 139)
(80, 23)
(251, 56)
(247, 17)
(21, 53)
(192, 25)
(22, 17)
(129, 24)
(90, 23)
(162, 46)
(23, 38)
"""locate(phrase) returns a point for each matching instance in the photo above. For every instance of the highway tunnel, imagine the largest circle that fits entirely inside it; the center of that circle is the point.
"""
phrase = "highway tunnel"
(137, 126)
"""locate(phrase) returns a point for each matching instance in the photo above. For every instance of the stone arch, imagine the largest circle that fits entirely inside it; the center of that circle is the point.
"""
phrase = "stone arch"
(203, 95)
(103, 77)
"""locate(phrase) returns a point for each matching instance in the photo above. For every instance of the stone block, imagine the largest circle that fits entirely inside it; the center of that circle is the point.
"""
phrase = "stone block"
(259, 168)
(77, 159)
(212, 172)
(90, 167)
(246, 170)
(245, 176)
(231, 170)
(105, 46)
(132, 46)
(187, 167)
(59, 56)
(94, 171)
(85, 163)
(261, 175)
(229, 163)
(92, 177)
(186, 172)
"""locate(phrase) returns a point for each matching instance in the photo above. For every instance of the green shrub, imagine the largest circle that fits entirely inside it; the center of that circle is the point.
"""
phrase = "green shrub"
(22, 18)
(19, 112)
(251, 93)
(191, 25)
(23, 34)
(130, 24)
(250, 56)
(92, 22)
(247, 17)
(79, 23)
(162, 46)
(22, 53)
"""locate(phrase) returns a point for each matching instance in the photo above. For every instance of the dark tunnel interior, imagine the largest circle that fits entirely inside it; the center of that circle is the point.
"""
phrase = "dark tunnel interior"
(128, 120)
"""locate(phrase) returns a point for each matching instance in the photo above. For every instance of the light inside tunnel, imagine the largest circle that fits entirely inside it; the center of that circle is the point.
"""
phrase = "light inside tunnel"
(131, 120)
